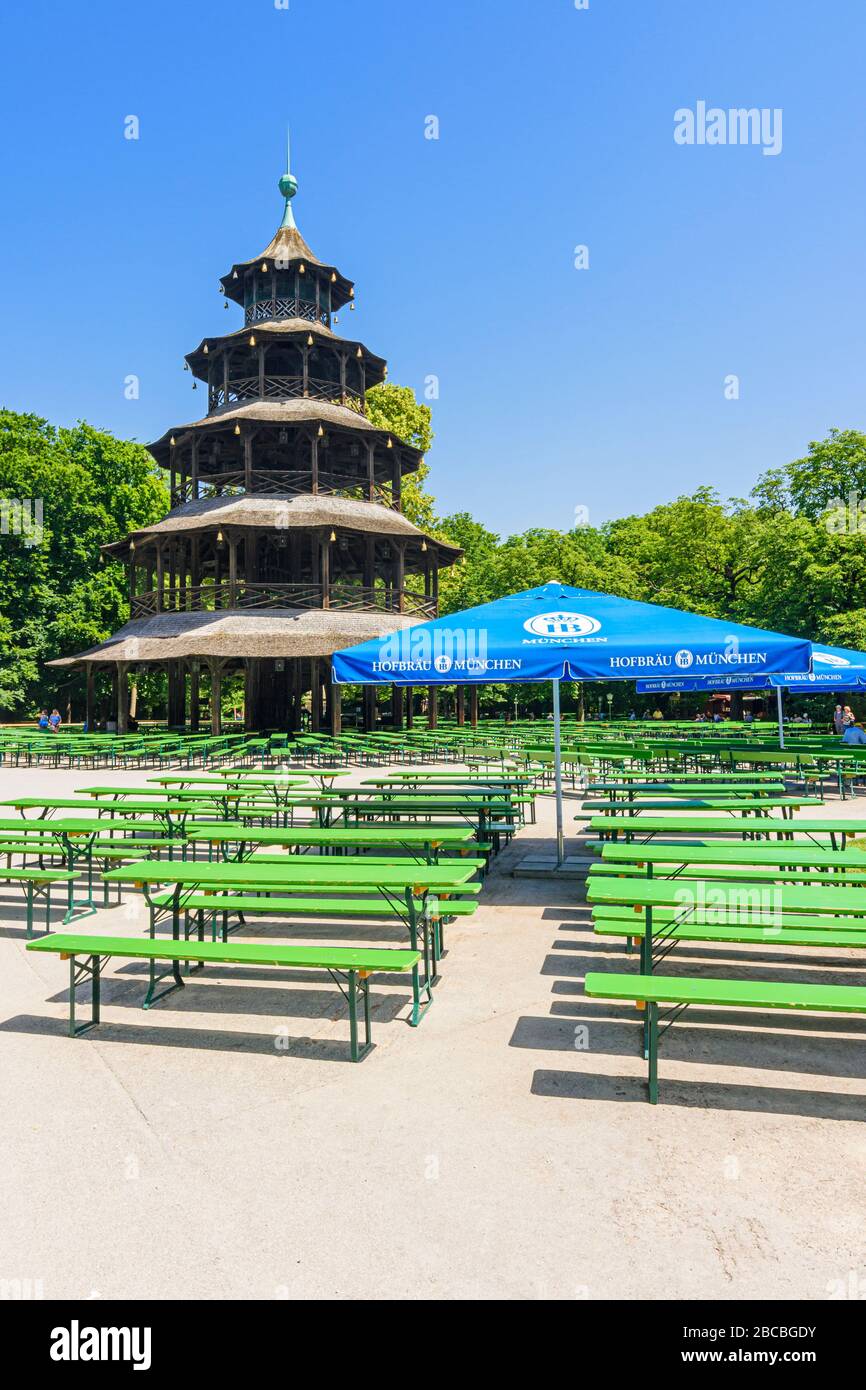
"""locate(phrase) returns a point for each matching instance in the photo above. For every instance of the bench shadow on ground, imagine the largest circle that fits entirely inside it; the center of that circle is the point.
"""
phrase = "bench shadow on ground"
(692, 1095)
(244, 991)
(261, 1044)
(801, 1045)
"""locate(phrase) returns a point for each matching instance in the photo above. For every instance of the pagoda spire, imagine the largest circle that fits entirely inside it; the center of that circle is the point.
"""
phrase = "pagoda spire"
(288, 184)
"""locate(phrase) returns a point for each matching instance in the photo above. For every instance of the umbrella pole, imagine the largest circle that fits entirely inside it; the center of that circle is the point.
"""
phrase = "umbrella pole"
(557, 760)
(781, 716)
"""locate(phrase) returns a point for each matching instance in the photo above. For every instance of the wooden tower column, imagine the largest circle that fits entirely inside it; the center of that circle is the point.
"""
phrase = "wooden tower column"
(215, 667)
(336, 708)
(461, 704)
(397, 706)
(410, 702)
(89, 703)
(473, 706)
(194, 695)
(432, 706)
(315, 695)
(122, 670)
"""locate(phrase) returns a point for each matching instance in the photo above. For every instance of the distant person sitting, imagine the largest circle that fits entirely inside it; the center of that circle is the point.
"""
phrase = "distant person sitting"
(748, 717)
(55, 721)
(43, 719)
(854, 733)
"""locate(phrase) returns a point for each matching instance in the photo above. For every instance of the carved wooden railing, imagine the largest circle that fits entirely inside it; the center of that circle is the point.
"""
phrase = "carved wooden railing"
(210, 598)
(285, 308)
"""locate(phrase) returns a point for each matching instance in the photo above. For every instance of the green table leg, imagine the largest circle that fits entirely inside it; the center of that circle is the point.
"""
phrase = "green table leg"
(652, 1010)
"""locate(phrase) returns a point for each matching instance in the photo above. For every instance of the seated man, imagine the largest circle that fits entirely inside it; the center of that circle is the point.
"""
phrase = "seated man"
(854, 734)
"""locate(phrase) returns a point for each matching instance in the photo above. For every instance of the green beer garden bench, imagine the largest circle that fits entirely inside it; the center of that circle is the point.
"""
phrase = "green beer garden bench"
(347, 965)
(681, 994)
(36, 882)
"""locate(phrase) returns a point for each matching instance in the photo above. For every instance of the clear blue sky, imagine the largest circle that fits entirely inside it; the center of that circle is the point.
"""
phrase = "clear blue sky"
(602, 388)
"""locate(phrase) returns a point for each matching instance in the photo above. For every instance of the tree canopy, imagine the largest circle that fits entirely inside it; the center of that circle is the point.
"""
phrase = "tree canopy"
(57, 594)
(791, 557)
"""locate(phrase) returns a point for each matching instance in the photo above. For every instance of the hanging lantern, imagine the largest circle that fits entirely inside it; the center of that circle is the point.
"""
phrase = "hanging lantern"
(302, 268)
(390, 442)
(321, 432)
(252, 340)
(171, 441)
(234, 275)
(333, 535)
(352, 305)
(424, 545)
(237, 429)
(333, 277)
(359, 353)
(205, 348)
(219, 537)
(264, 269)
(309, 340)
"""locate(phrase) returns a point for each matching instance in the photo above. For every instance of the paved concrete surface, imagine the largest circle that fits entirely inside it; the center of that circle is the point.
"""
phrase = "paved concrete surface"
(501, 1150)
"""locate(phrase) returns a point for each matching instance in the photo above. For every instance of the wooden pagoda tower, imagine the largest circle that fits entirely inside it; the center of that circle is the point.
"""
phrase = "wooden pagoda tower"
(286, 539)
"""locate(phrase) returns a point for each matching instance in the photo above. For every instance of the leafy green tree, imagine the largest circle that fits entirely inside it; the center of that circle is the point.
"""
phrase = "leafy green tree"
(698, 552)
(392, 407)
(57, 593)
(832, 471)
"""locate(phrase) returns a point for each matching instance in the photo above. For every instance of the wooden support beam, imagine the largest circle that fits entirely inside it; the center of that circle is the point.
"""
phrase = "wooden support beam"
(122, 697)
(90, 690)
(336, 709)
(194, 696)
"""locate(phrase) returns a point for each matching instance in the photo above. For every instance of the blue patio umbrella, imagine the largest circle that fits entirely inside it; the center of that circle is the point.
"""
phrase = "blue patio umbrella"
(833, 668)
(555, 633)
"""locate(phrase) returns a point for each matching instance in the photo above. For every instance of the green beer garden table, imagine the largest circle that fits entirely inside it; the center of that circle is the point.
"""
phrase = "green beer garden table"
(74, 839)
(426, 839)
(835, 828)
(404, 888)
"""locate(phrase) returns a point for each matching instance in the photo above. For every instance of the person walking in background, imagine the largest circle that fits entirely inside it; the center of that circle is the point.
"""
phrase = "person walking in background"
(838, 725)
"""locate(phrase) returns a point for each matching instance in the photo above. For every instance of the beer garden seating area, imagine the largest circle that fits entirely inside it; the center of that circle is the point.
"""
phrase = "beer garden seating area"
(710, 834)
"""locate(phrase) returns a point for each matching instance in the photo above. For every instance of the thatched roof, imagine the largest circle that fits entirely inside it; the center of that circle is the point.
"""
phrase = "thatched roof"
(273, 330)
(281, 514)
(267, 632)
(297, 411)
(286, 247)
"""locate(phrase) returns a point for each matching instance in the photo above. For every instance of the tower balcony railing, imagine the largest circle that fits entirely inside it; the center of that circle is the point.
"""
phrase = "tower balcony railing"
(285, 308)
(296, 482)
(251, 388)
(211, 598)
